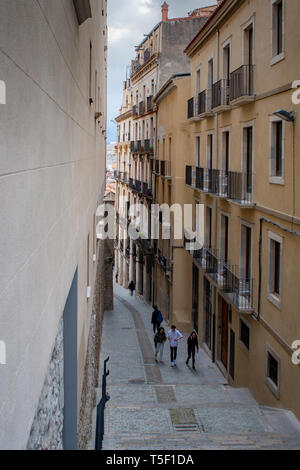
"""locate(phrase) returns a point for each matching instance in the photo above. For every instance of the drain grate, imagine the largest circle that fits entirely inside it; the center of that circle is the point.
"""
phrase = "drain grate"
(186, 428)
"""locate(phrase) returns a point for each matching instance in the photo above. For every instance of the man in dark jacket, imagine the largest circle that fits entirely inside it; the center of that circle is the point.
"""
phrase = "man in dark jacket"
(131, 287)
(157, 319)
(192, 343)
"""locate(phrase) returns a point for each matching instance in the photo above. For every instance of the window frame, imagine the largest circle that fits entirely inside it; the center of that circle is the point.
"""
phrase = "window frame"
(275, 56)
(274, 298)
(241, 342)
(275, 389)
(273, 179)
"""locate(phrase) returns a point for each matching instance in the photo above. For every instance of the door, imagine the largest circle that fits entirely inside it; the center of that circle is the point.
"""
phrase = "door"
(224, 333)
(249, 150)
(208, 313)
(195, 298)
(232, 354)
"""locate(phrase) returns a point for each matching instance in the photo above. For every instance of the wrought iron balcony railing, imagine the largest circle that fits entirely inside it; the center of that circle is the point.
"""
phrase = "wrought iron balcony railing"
(148, 145)
(132, 184)
(141, 108)
(238, 289)
(189, 176)
(204, 102)
(146, 190)
(240, 188)
(220, 93)
(149, 104)
(191, 110)
(138, 186)
(241, 82)
(199, 183)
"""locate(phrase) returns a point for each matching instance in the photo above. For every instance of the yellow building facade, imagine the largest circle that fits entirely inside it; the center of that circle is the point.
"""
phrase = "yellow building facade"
(244, 139)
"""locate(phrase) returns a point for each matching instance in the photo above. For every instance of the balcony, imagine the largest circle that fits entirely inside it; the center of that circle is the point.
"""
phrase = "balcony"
(189, 176)
(134, 111)
(124, 177)
(148, 146)
(162, 260)
(141, 108)
(117, 175)
(139, 146)
(138, 186)
(191, 108)
(199, 183)
(147, 191)
(132, 184)
(238, 289)
(205, 104)
(157, 167)
(221, 95)
(149, 104)
(242, 85)
(165, 169)
(240, 188)
(215, 182)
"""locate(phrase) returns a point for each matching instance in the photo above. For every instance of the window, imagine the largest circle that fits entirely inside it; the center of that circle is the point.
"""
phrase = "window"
(226, 151)
(198, 83)
(272, 371)
(210, 74)
(246, 252)
(275, 262)
(208, 227)
(277, 151)
(198, 147)
(245, 334)
(226, 62)
(224, 238)
(277, 30)
(210, 150)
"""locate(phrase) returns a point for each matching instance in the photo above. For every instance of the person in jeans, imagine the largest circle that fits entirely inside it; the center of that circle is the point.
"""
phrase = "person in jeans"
(192, 343)
(157, 319)
(174, 336)
(159, 341)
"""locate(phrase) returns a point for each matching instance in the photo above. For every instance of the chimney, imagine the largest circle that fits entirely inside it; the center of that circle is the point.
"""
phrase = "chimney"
(165, 12)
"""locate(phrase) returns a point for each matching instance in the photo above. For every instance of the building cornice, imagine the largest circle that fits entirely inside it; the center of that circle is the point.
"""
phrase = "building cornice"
(168, 87)
(123, 116)
(220, 15)
(144, 69)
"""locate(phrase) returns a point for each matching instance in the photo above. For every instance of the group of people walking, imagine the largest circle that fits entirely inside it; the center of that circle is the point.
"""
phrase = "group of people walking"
(173, 336)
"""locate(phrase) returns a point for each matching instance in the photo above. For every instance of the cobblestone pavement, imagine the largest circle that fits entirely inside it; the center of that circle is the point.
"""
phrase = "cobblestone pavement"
(155, 407)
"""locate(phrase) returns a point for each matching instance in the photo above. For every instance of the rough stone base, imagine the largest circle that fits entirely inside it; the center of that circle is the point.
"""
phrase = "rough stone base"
(103, 300)
(47, 428)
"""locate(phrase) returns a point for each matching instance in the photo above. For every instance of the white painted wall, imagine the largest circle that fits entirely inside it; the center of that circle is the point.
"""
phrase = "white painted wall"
(52, 173)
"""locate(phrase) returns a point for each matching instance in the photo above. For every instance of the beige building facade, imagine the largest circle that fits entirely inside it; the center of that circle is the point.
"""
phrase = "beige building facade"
(244, 294)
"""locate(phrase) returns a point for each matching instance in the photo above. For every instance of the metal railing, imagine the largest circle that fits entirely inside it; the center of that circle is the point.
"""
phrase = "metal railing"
(100, 409)
(189, 175)
(132, 184)
(141, 108)
(157, 167)
(148, 145)
(220, 93)
(240, 187)
(199, 178)
(190, 108)
(238, 288)
(241, 82)
(149, 104)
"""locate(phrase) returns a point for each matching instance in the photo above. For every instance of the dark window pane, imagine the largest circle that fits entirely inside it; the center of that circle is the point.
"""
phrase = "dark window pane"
(273, 369)
(245, 335)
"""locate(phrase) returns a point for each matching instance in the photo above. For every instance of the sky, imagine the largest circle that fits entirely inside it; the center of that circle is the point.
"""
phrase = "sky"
(128, 21)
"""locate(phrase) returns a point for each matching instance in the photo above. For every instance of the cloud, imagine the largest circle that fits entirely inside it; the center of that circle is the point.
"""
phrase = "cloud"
(145, 6)
(116, 34)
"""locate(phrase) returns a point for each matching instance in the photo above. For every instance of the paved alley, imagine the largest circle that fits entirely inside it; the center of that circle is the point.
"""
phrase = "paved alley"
(155, 407)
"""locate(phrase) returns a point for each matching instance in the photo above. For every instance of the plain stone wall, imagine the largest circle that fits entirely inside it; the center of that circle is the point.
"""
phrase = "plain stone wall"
(52, 175)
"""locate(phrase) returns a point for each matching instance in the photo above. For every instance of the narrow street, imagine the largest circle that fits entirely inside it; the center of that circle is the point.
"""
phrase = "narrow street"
(155, 407)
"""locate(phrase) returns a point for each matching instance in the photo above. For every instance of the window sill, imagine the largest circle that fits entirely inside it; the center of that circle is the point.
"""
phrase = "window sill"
(274, 300)
(273, 387)
(277, 58)
(277, 180)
